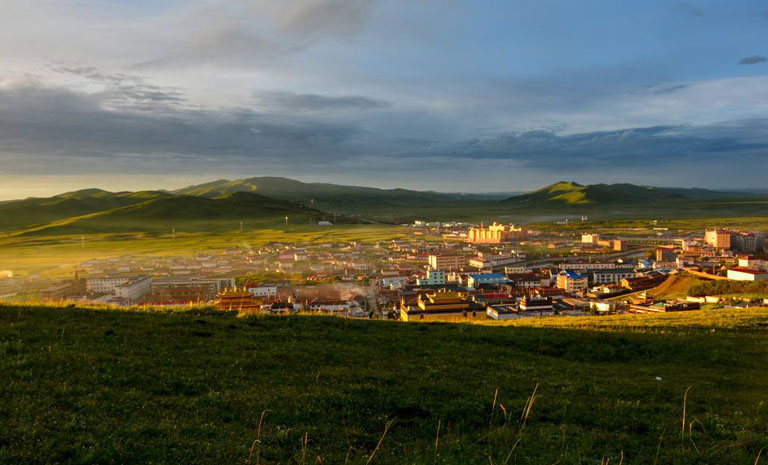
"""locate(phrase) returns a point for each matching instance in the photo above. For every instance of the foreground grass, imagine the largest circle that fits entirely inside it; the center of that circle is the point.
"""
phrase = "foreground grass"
(90, 386)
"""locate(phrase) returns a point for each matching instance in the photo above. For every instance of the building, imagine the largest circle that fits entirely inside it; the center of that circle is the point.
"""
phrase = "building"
(70, 288)
(475, 280)
(750, 242)
(588, 266)
(434, 278)
(494, 234)
(486, 261)
(105, 285)
(753, 263)
(393, 282)
(665, 254)
(441, 305)
(745, 274)
(238, 299)
(590, 238)
(536, 304)
(612, 276)
(718, 238)
(514, 269)
(134, 289)
(447, 261)
(571, 282)
(333, 306)
(267, 290)
(189, 289)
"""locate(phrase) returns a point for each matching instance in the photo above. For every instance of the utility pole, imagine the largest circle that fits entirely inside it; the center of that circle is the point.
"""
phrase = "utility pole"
(173, 233)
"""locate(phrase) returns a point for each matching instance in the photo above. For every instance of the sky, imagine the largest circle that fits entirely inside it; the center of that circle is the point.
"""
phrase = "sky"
(445, 95)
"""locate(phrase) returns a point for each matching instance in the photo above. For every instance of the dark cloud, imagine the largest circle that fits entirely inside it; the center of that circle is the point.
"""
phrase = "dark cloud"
(62, 127)
(650, 146)
(290, 101)
(753, 60)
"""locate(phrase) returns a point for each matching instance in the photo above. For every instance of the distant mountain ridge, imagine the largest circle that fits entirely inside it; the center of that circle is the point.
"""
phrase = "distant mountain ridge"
(266, 201)
(326, 196)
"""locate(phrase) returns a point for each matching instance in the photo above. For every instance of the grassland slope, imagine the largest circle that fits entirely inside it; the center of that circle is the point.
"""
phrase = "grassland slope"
(86, 386)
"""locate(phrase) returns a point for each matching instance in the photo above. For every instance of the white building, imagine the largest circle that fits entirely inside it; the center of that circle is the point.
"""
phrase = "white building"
(586, 266)
(434, 278)
(134, 289)
(745, 274)
(105, 285)
(264, 290)
(612, 276)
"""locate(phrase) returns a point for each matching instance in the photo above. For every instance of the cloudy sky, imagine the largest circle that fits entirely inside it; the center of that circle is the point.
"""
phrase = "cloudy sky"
(449, 95)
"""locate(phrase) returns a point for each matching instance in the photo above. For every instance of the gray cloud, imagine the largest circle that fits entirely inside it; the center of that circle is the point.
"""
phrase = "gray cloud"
(229, 43)
(74, 130)
(671, 89)
(124, 89)
(634, 147)
(289, 101)
(247, 33)
(753, 60)
(323, 18)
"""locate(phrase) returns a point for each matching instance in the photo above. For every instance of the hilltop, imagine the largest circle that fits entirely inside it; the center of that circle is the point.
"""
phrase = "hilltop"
(109, 386)
(568, 193)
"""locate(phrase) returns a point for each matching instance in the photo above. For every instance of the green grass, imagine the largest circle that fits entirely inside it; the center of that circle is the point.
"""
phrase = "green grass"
(90, 386)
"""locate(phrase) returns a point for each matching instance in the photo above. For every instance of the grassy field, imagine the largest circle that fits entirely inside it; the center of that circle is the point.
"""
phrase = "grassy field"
(57, 255)
(96, 386)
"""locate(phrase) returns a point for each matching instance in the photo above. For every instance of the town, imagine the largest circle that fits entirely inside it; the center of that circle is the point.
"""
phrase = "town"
(439, 272)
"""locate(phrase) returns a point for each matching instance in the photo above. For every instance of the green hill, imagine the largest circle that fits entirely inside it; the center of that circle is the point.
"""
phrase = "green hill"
(326, 196)
(202, 387)
(16, 214)
(571, 193)
(184, 212)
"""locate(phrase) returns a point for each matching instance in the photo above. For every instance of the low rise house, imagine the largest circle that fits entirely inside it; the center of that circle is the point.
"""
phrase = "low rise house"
(612, 276)
(476, 280)
(745, 274)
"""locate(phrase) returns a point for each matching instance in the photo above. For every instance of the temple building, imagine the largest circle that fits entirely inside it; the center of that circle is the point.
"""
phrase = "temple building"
(495, 234)
(441, 305)
(239, 299)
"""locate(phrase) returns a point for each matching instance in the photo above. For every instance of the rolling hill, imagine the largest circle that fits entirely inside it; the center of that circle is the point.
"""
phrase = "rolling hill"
(182, 211)
(329, 196)
(36, 211)
(574, 194)
(267, 200)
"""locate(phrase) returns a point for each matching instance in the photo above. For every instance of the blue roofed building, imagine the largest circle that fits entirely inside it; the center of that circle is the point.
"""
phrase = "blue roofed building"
(572, 282)
(475, 280)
